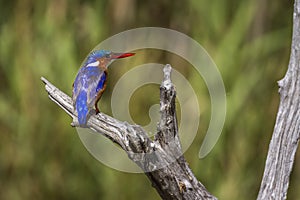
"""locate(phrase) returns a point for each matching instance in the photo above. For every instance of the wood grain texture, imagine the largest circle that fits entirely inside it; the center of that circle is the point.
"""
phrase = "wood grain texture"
(285, 139)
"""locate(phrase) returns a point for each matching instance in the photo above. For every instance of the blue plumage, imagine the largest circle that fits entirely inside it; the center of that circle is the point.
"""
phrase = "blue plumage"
(90, 83)
(81, 106)
(101, 82)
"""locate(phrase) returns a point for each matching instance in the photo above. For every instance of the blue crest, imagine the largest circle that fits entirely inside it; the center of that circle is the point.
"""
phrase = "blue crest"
(94, 55)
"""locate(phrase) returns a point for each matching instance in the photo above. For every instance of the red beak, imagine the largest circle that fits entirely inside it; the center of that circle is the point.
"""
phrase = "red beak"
(121, 55)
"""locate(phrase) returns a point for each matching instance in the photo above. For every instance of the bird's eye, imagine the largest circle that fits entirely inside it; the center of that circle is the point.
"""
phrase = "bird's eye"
(107, 56)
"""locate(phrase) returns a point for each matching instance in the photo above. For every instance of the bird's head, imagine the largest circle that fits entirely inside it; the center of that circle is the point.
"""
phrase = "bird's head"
(105, 57)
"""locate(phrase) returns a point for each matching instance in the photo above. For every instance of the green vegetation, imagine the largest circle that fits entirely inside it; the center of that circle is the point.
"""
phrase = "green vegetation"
(41, 155)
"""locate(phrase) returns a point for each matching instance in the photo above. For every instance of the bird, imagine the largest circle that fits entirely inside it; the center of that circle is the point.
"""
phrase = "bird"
(90, 83)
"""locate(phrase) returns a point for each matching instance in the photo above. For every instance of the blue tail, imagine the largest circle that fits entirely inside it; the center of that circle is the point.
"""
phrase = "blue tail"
(82, 108)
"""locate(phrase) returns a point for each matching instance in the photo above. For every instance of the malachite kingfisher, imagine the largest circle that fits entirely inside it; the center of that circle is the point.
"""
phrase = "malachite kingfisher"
(90, 84)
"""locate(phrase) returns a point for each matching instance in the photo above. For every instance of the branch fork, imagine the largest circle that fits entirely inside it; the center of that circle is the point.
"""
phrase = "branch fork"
(161, 159)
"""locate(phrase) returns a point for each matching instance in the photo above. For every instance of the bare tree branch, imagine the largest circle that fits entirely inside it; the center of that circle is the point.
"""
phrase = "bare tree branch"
(285, 139)
(161, 159)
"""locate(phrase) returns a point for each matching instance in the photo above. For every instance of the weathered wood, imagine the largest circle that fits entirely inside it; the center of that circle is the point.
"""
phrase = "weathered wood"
(161, 159)
(286, 134)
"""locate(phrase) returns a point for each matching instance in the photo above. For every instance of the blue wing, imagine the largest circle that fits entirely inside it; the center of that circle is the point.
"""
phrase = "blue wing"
(89, 81)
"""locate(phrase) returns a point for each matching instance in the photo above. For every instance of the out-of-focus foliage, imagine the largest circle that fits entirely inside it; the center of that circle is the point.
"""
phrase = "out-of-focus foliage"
(41, 156)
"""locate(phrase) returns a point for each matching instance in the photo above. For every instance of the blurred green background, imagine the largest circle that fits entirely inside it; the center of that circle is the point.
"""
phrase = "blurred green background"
(41, 155)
